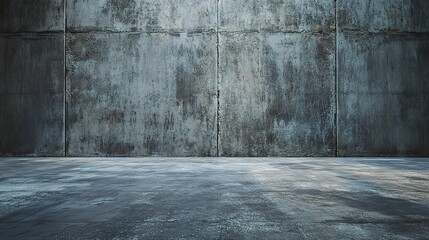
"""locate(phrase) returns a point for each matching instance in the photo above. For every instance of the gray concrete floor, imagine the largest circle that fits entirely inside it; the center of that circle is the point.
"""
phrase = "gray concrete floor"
(214, 198)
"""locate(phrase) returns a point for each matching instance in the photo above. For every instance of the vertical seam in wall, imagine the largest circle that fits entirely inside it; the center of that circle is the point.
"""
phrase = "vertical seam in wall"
(217, 82)
(336, 78)
(65, 78)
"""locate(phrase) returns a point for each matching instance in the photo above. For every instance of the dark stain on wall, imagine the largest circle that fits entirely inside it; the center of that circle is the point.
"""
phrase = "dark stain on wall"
(322, 53)
(185, 87)
(114, 147)
(114, 116)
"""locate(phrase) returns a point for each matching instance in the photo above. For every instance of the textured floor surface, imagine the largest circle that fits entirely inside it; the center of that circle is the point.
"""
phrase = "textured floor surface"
(214, 198)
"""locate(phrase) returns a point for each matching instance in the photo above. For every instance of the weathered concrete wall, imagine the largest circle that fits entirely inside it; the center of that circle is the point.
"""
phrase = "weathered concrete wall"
(383, 77)
(141, 94)
(32, 77)
(141, 78)
(277, 78)
(214, 77)
(277, 94)
(141, 15)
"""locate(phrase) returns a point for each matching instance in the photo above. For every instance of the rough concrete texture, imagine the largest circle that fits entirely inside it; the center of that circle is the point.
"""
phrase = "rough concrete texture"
(142, 15)
(217, 77)
(31, 15)
(382, 16)
(203, 198)
(277, 16)
(383, 102)
(277, 94)
(31, 77)
(383, 94)
(141, 94)
(31, 94)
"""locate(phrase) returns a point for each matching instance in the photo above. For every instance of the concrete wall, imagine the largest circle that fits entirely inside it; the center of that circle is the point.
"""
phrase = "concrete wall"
(383, 77)
(32, 77)
(214, 77)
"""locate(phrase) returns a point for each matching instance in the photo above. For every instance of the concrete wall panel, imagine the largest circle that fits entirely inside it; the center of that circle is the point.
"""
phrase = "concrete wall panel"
(31, 15)
(141, 94)
(392, 15)
(383, 94)
(277, 94)
(32, 99)
(141, 15)
(279, 15)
